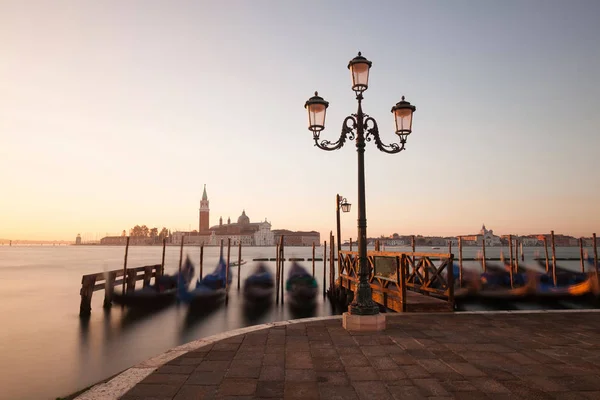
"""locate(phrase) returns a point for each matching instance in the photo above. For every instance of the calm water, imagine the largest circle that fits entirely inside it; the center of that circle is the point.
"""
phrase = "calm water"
(45, 349)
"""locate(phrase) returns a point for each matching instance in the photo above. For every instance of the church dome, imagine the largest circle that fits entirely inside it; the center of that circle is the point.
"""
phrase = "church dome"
(243, 219)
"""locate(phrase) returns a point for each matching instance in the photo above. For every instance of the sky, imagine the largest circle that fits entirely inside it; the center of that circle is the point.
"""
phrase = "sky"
(117, 113)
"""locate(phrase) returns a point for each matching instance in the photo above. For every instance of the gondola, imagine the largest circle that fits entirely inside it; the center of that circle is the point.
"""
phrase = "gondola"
(209, 292)
(301, 287)
(259, 287)
(162, 293)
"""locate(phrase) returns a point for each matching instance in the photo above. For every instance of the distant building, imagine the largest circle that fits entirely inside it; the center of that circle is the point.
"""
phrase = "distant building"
(78, 239)
(483, 235)
(298, 238)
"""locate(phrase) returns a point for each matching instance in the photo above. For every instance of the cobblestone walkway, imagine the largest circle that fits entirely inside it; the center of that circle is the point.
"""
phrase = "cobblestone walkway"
(419, 356)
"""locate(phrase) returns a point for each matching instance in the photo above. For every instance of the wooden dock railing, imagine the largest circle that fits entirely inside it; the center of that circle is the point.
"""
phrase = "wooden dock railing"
(404, 281)
(107, 281)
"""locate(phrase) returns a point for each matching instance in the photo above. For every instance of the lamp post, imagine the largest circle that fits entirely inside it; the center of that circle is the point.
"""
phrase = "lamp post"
(360, 127)
(340, 202)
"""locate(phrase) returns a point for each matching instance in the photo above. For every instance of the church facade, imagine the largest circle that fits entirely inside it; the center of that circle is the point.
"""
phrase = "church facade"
(243, 231)
(484, 235)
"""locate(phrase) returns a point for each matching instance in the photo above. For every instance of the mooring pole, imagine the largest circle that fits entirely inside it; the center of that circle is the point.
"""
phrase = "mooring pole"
(324, 264)
(227, 271)
(553, 258)
(581, 254)
(313, 259)
(595, 255)
(350, 244)
(201, 258)
(510, 251)
(546, 252)
(281, 248)
(277, 273)
(483, 266)
(181, 253)
(125, 264)
(162, 263)
(460, 262)
(239, 263)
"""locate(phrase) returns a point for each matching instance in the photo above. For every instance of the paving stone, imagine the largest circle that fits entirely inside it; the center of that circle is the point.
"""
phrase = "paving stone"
(354, 360)
(207, 365)
(237, 387)
(430, 387)
(176, 369)
(332, 377)
(274, 359)
(153, 390)
(362, 374)
(405, 392)
(369, 390)
(196, 392)
(300, 375)
(488, 385)
(458, 386)
(270, 373)
(205, 378)
(270, 389)
(299, 361)
(466, 369)
(337, 392)
(301, 391)
(382, 363)
(175, 379)
(220, 355)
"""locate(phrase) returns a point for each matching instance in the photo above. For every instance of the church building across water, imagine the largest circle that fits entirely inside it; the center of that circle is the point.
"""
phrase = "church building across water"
(244, 231)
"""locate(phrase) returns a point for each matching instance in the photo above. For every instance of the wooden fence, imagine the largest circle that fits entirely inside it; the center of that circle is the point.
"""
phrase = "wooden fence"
(404, 281)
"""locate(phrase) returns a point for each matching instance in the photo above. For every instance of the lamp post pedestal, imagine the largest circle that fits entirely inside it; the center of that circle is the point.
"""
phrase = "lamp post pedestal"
(363, 323)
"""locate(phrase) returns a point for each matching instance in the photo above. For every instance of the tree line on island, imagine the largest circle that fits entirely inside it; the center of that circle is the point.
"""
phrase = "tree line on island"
(151, 233)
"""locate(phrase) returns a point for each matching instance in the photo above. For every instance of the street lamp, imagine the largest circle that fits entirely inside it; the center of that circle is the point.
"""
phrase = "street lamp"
(340, 203)
(354, 127)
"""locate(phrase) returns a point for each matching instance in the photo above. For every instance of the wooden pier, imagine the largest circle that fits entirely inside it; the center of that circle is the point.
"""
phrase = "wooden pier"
(401, 281)
(107, 281)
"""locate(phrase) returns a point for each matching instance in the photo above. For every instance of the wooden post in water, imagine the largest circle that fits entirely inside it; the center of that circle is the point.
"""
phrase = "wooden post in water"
(227, 270)
(510, 252)
(517, 256)
(350, 244)
(109, 288)
(162, 262)
(412, 245)
(595, 255)
(460, 264)
(483, 266)
(313, 259)
(332, 265)
(521, 248)
(181, 253)
(581, 254)
(277, 273)
(546, 251)
(282, 259)
(239, 263)
(376, 244)
(86, 292)
(201, 258)
(553, 258)
(324, 265)
(125, 264)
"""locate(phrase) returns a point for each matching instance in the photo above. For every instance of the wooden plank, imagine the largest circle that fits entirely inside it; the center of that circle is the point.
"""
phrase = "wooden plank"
(119, 272)
(397, 253)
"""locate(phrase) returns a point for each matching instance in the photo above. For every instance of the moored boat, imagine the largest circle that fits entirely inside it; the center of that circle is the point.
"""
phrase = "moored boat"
(259, 287)
(162, 293)
(210, 291)
(301, 287)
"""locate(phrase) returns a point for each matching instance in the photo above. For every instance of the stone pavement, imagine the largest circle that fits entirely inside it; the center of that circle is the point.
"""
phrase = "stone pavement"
(419, 356)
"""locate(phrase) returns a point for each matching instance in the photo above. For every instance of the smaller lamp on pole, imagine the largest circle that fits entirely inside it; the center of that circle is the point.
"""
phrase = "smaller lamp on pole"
(316, 107)
(359, 70)
(403, 112)
(345, 206)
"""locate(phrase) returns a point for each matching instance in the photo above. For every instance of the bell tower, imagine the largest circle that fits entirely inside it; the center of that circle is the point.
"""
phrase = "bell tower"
(204, 212)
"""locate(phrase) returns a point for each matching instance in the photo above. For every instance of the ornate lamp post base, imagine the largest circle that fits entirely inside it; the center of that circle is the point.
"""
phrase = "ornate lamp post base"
(363, 323)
